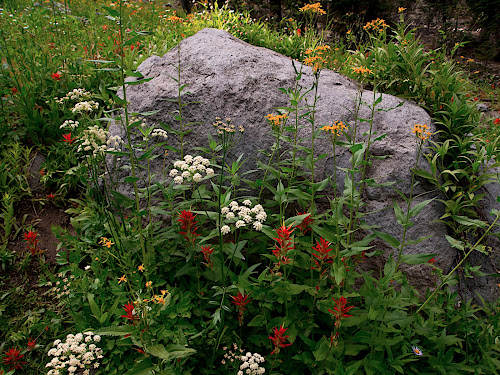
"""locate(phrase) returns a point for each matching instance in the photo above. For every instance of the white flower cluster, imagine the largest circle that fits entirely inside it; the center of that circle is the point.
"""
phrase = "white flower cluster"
(251, 364)
(254, 216)
(232, 356)
(94, 139)
(85, 107)
(62, 287)
(69, 124)
(159, 133)
(78, 352)
(113, 143)
(191, 169)
(226, 126)
(75, 95)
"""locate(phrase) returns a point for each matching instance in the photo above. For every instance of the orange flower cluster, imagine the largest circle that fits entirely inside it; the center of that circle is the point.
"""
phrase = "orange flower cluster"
(336, 129)
(312, 8)
(105, 242)
(401, 9)
(174, 19)
(276, 119)
(377, 25)
(316, 61)
(361, 70)
(160, 299)
(421, 131)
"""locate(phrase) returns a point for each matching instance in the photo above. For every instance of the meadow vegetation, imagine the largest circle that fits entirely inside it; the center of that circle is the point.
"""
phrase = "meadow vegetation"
(214, 271)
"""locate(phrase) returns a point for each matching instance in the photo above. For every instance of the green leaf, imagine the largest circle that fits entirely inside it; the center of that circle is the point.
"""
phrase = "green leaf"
(144, 367)
(338, 271)
(258, 321)
(388, 238)
(323, 349)
(416, 258)
(93, 306)
(464, 220)
(419, 207)
(131, 179)
(455, 243)
(400, 216)
(117, 331)
(112, 12)
(169, 353)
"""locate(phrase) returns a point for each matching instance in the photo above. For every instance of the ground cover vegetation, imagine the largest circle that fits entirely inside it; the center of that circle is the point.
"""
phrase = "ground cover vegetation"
(213, 271)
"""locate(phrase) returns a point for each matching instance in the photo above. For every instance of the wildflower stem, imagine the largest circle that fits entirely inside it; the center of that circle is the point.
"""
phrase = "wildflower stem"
(129, 139)
(458, 265)
(410, 198)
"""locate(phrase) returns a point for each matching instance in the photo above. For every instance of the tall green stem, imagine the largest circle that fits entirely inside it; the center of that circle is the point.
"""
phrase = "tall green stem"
(129, 141)
(458, 265)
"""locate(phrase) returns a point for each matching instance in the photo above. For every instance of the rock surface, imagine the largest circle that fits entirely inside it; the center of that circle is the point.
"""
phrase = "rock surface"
(226, 77)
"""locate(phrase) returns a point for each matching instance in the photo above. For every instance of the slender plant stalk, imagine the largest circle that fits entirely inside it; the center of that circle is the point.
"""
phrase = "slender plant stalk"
(129, 140)
(457, 266)
(410, 198)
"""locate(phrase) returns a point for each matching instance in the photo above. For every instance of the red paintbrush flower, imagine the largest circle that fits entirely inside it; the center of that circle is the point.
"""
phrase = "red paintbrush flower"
(13, 359)
(207, 252)
(341, 310)
(241, 300)
(67, 138)
(322, 252)
(285, 244)
(304, 227)
(31, 238)
(50, 196)
(188, 226)
(56, 76)
(279, 340)
(130, 310)
(14, 91)
(31, 344)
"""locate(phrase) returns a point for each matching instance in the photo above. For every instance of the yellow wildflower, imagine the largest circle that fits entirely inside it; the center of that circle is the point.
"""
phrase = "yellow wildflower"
(336, 128)
(276, 119)
(376, 25)
(149, 284)
(312, 8)
(158, 299)
(141, 268)
(122, 279)
(361, 70)
(175, 19)
(163, 292)
(421, 131)
(401, 9)
(105, 242)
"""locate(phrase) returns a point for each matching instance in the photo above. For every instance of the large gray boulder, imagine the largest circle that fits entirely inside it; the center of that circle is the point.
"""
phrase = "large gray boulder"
(227, 77)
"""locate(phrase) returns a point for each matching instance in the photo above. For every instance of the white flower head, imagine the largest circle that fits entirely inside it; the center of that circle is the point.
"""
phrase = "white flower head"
(225, 229)
(240, 223)
(197, 177)
(247, 202)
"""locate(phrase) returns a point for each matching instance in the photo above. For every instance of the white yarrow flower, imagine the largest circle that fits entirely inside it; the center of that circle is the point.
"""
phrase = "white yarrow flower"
(225, 229)
(257, 225)
(240, 223)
